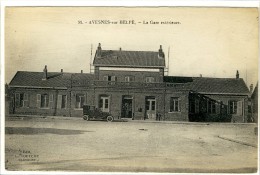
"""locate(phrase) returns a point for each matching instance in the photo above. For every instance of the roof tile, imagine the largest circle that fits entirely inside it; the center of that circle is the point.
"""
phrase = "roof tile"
(129, 59)
(208, 85)
(54, 80)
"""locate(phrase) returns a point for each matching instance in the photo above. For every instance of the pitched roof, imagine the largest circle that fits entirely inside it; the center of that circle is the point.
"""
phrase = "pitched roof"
(80, 79)
(206, 85)
(129, 59)
(54, 80)
(255, 92)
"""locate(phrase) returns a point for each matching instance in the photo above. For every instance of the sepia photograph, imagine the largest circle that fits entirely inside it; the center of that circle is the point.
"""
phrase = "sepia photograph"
(131, 89)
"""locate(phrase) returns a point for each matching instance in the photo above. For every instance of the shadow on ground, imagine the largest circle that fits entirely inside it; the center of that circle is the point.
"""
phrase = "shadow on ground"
(33, 131)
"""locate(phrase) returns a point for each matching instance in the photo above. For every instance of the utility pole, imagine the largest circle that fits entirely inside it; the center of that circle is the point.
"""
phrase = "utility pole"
(90, 62)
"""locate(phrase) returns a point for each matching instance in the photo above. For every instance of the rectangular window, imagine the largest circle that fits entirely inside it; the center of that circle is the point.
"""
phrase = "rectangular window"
(104, 103)
(113, 78)
(44, 100)
(62, 101)
(211, 107)
(80, 100)
(38, 100)
(129, 78)
(105, 78)
(21, 100)
(149, 80)
(174, 104)
(232, 107)
(153, 105)
(50, 100)
(109, 78)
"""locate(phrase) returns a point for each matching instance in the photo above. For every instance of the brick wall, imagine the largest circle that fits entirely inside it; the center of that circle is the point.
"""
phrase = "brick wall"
(116, 95)
(138, 102)
(138, 76)
(182, 114)
(33, 109)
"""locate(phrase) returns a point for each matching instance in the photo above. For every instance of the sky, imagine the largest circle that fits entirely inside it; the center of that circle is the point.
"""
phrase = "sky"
(213, 42)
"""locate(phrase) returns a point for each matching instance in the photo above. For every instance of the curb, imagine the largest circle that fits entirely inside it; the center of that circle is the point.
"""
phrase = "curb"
(21, 117)
(237, 141)
(190, 123)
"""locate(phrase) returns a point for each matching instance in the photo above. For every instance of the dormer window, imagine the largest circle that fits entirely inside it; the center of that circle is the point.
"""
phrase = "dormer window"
(149, 80)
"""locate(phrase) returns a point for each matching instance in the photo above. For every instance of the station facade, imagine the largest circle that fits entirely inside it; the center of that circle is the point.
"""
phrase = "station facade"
(130, 84)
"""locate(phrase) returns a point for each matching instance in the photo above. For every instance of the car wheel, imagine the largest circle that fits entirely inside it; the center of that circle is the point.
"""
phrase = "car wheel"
(86, 117)
(110, 118)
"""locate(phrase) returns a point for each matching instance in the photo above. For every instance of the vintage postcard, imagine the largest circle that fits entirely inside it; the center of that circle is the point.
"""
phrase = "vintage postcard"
(131, 89)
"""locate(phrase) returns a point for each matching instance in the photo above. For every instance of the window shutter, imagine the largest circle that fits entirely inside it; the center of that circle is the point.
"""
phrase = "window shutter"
(65, 101)
(17, 100)
(25, 100)
(59, 101)
(38, 100)
(105, 78)
(113, 78)
(240, 107)
(100, 103)
(179, 103)
(229, 108)
(171, 105)
(50, 101)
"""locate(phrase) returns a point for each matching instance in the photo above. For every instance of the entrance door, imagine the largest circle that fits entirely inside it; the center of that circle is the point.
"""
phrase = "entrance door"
(150, 104)
(104, 103)
(127, 107)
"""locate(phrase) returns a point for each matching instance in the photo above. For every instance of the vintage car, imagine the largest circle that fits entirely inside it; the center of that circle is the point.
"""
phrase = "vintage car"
(93, 113)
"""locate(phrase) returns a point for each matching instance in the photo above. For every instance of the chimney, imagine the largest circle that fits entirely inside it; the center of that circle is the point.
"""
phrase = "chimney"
(81, 71)
(45, 72)
(161, 54)
(120, 49)
(200, 75)
(251, 88)
(61, 70)
(237, 75)
(99, 50)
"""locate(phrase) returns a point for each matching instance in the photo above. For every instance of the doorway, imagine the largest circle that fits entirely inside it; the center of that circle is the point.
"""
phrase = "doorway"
(150, 108)
(127, 107)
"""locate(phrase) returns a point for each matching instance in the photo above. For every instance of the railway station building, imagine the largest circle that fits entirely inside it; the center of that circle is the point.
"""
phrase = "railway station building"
(131, 85)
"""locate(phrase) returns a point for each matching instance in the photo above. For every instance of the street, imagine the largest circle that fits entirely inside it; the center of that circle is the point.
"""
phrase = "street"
(49, 144)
